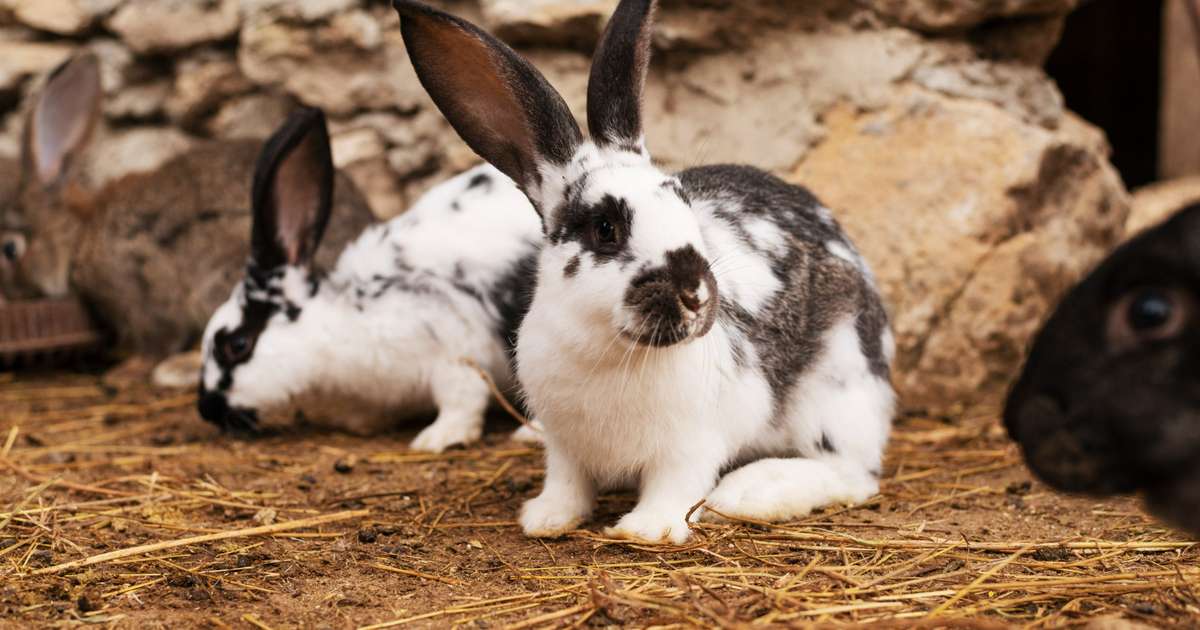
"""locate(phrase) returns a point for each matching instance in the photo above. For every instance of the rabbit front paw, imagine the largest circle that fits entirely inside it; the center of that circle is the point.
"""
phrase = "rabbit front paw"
(651, 526)
(549, 516)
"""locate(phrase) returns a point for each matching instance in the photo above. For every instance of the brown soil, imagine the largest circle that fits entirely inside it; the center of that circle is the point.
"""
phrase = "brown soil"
(959, 537)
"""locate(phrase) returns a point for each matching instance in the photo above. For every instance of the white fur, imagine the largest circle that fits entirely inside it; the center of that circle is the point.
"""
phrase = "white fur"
(667, 420)
(357, 362)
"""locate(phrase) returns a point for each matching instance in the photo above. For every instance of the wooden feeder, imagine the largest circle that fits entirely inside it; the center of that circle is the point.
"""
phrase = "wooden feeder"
(39, 331)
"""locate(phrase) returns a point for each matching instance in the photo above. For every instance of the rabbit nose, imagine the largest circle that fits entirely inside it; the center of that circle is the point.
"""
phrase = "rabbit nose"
(694, 300)
(213, 407)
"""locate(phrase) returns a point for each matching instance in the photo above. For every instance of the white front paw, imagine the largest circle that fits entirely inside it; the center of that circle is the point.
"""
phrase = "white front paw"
(652, 526)
(532, 433)
(784, 489)
(550, 517)
(441, 435)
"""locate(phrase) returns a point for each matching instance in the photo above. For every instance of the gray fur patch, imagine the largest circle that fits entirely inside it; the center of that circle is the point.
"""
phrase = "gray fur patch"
(817, 290)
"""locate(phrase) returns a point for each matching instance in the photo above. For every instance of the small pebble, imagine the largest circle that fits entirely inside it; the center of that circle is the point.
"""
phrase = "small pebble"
(41, 558)
(87, 604)
(344, 465)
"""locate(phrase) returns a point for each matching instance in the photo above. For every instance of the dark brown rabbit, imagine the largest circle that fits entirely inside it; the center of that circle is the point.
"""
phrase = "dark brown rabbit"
(1109, 400)
(152, 254)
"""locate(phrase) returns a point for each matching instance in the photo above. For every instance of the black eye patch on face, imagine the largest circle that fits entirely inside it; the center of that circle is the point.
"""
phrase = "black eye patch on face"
(232, 348)
(602, 229)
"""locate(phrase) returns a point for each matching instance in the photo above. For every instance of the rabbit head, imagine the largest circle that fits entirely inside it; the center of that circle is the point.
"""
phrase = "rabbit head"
(623, 248)
(1109, 399)
(41, 228)
(248, 346)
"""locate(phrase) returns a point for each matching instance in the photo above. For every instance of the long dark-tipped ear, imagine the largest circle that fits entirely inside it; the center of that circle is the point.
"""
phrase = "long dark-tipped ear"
(618, 76)
(499, 103)
(63, 117)
(293, 192)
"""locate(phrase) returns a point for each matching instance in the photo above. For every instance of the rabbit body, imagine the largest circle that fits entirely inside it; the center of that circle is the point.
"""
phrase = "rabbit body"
(711, 335)
(792, 378)
(401, 326)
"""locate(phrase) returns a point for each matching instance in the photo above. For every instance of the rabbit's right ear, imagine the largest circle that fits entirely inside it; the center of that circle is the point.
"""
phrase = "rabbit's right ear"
(63, 117)
(500, 105)
(293, 192)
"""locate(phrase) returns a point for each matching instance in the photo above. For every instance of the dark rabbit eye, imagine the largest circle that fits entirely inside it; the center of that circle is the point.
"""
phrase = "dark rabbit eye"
(237, 347)
(605, 231)
(1150, 310)
(1149, 314)
(13, 247)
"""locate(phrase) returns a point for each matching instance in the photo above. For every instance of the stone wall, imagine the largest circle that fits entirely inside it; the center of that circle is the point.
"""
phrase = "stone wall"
(927, 125)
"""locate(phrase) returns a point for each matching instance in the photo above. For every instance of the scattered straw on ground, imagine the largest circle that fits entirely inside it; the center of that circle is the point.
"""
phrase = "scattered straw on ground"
(119, 507)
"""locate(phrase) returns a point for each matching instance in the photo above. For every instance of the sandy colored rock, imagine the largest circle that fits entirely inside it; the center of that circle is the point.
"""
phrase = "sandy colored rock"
(349, 64)
(562, 22)
(1153, 204)
(138, 102)
(21, 59)
(202, 84)
(159, 26)
(974, 221)
(308, 10)
(942, 16)
(63, 17)
(250, 116)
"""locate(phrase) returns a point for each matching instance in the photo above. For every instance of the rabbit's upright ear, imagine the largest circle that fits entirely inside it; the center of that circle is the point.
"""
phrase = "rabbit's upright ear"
(619, 76)
(500, 104)
(63, 117)
(293, 192)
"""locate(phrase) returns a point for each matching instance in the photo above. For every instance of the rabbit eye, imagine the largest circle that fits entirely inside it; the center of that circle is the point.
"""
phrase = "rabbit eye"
(605, 231)
(1148, 314)
(12, 247)
(237, 347)
(1150, 310)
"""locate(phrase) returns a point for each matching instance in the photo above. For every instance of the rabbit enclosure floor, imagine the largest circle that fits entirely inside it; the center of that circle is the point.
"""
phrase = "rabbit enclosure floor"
(119, 507)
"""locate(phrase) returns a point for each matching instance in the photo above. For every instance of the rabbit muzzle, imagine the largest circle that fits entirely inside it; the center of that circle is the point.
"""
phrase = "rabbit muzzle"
(214, 407)
(672, 303)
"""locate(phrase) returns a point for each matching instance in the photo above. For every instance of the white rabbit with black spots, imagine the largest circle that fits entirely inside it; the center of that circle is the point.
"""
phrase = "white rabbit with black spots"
(398, 328)
(707, 334)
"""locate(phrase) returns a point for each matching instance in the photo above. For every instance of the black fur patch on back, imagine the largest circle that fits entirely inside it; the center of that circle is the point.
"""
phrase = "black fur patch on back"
(511, 295)
(817, 288)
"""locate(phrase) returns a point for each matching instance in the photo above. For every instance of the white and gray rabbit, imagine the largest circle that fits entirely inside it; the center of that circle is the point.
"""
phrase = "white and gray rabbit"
(711, 334)
(399, 325)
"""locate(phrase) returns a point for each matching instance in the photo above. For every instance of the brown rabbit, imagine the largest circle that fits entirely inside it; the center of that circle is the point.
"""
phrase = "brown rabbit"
(152, 254)
(10, 171)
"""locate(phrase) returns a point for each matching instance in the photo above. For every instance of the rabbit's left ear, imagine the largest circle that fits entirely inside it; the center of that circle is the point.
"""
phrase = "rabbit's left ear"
(293, 192)
(619, 76)
(63, 117)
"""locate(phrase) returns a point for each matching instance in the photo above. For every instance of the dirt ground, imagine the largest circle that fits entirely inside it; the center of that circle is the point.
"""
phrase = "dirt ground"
(959, 536)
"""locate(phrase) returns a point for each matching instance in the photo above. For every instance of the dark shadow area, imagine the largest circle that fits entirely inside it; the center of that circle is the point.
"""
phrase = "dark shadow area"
(1108, 66)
